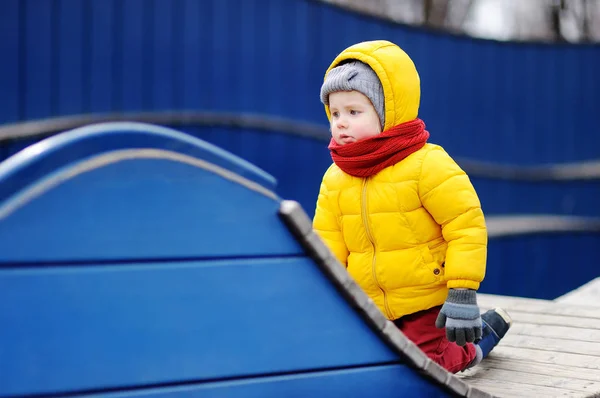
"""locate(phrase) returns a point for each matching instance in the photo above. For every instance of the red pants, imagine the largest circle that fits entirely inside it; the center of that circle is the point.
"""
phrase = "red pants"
(420, 328)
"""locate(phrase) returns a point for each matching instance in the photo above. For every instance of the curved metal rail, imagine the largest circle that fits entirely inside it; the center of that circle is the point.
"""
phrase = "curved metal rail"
(585, 170)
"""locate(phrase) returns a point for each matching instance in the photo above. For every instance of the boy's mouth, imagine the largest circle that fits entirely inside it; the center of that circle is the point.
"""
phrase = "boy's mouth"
(346, 139)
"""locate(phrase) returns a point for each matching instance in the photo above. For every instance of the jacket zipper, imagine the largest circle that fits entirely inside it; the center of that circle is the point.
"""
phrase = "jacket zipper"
(437, 245)
(368, 231)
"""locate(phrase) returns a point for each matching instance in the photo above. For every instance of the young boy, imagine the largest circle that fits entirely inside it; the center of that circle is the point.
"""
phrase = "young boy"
(399, 213)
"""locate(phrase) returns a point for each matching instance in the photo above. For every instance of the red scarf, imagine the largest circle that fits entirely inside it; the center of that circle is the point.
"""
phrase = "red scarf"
(368, 157)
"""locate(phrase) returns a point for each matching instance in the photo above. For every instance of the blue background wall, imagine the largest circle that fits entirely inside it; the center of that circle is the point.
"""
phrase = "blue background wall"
(521, 104)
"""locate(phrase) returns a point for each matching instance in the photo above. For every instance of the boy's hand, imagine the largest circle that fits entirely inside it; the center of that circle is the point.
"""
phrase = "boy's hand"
(460, 315)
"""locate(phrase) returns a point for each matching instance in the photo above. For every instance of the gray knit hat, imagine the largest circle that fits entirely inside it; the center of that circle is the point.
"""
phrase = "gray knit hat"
(358, 76)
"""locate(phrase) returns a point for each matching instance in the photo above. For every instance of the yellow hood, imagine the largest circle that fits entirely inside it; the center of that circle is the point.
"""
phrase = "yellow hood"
(398, 76)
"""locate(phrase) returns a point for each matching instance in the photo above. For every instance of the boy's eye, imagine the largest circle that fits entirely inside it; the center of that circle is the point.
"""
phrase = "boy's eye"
(335, 114)
(353, 112)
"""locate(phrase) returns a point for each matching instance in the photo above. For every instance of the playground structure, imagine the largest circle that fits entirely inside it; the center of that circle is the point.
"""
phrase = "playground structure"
(135, 255)
(137, 259)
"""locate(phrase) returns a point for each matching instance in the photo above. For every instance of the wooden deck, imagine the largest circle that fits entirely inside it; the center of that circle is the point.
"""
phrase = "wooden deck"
(552, 349)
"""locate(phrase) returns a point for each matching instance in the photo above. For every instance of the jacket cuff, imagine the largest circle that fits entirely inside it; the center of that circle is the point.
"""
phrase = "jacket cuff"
(462, 284)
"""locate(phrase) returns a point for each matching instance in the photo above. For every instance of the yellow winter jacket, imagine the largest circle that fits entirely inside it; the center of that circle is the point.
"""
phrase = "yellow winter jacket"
(413, 230)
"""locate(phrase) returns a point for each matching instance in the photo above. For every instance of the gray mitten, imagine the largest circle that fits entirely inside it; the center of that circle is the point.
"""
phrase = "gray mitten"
(460, 315)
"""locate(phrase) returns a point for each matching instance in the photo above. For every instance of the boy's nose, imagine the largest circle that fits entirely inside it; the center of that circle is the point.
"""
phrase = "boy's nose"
(341, 123)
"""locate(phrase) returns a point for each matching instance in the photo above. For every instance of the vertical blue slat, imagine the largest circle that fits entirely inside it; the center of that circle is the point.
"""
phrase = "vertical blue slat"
(101, 56)
(278, 37)
(506, 71)
(194, 47)
(562, 105)
(538, 127)
(442, 132)
(590, 98)
(38, 55)
(315, 65)
(161, 81)
(302, 60)
(177, 52)
(133, 65)
(480, 112)
(70, 57)
(570, 79)
(585, 81)
(117, 28)
(550, 105)
(287, 56)
(262, 73)
(526, 65)
(499, 123)
(147, 8)
(223, 48)
(251, 77)
(326, 43)
(233, 22)
(190, 64)
(10, 46)
(532, 103)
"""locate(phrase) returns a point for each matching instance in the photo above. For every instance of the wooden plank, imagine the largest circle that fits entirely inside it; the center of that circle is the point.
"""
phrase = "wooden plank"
(535, 306)
(551, 320)
(526, 377)
(548, 369)
(541, 356)
(585, 295)
(509, 389)
(551, 344)
(558, 332)
(552, 349)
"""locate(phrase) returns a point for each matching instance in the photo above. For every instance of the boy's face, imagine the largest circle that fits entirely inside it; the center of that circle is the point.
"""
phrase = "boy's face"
(353, 117)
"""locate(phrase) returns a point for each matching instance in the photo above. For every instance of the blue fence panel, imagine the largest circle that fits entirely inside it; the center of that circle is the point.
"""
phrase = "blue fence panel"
(38, 62)
(11, 46)
(544, 197)
(71, 57)
(507, 102)
(543, 266)
(134, 92)
(103, 54)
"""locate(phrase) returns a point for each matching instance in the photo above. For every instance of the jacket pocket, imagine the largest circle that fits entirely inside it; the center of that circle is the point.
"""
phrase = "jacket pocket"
(433, 259)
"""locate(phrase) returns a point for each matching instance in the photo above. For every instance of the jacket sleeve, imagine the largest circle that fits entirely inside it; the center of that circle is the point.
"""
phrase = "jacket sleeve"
(326, 225)
(448, 195)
